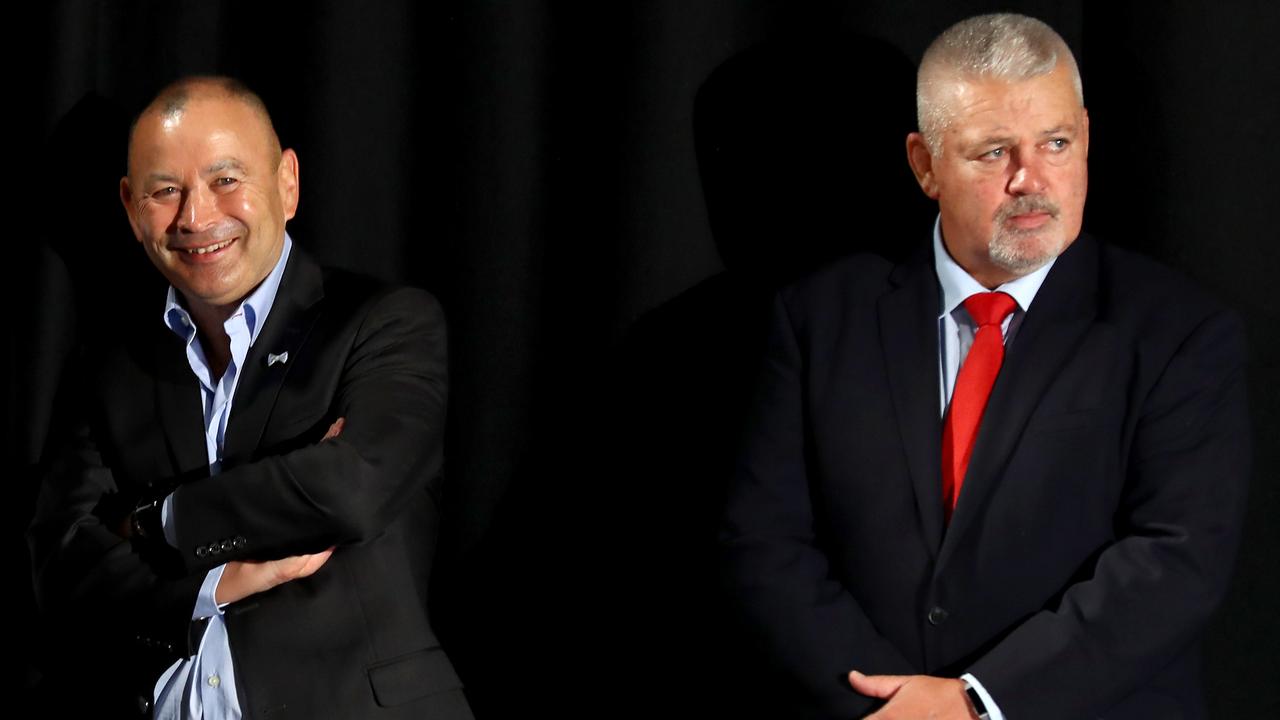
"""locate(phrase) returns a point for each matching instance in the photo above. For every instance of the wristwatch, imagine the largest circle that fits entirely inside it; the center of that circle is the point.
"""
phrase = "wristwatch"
(145, 522)
(975, 701)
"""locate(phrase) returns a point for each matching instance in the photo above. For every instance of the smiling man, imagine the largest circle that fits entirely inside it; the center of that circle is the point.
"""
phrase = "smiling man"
(245, 523)
(1005, 478)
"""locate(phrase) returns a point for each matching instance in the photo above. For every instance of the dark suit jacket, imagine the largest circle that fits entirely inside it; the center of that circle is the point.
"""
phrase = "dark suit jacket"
(1099, 517)
(351, 641)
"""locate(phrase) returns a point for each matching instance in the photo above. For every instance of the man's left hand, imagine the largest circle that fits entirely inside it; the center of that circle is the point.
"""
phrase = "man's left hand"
(914, 697)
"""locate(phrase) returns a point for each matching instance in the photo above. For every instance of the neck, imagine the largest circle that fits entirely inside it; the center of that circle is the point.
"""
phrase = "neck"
(988, 275)
(209, 322)
(991, 278)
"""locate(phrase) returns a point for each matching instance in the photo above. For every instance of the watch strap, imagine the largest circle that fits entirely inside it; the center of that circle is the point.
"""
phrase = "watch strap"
(975, 701)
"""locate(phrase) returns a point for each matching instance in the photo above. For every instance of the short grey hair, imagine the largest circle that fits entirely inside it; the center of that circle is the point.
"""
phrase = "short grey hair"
(1001, 46)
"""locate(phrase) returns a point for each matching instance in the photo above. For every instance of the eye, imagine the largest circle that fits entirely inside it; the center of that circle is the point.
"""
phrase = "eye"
(993, 154)
(1058, 144)
(164, 192)
(225, 183)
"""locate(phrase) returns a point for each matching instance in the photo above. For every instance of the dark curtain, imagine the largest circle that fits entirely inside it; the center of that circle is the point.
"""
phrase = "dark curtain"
(602, 196)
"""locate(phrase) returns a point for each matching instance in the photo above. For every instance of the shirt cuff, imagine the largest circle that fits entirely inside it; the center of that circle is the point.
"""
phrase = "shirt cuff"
(206, 605)
(166, 521)
(993, 710)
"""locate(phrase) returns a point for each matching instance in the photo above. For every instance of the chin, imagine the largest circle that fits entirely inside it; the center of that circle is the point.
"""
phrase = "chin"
(1022, 255)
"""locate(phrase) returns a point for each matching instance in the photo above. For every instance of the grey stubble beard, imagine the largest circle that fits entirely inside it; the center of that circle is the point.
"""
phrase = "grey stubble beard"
(1023, 251)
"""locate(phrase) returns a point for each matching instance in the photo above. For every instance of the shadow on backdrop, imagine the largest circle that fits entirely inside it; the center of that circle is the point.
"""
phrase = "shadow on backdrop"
(608, 538)
(801, 147)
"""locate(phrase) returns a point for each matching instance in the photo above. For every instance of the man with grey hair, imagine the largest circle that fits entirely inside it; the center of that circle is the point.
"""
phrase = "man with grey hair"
(1005, 478)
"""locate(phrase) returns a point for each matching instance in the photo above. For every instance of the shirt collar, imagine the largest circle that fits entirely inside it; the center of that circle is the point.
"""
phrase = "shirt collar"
(256, 306)
(957, 285)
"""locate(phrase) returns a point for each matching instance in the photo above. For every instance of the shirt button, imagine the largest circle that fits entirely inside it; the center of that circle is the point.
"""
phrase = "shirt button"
(937, 616)
(214, 681)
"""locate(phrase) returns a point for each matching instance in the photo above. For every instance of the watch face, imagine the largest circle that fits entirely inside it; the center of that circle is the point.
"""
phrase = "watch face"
(146, 519)
(975, 700)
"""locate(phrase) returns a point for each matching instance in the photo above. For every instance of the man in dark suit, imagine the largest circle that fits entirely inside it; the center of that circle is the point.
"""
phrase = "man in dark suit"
(245, 524)
(1005, 478)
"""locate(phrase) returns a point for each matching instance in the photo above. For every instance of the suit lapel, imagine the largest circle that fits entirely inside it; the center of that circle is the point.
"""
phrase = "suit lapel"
(296, 308)
(909, 339)
(1063, 311)
(180, 409)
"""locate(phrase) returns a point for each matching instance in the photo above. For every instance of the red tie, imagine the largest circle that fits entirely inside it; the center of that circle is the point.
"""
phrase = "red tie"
(973, 387)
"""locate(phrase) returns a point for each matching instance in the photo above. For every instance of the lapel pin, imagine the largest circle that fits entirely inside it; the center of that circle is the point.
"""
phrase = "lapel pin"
(273, 358)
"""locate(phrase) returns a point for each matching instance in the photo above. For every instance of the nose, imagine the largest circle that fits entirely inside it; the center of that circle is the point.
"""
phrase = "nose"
(197, 211)
(1028, 174)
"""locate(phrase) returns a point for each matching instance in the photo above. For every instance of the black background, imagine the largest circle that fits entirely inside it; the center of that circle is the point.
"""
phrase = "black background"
(534, 164)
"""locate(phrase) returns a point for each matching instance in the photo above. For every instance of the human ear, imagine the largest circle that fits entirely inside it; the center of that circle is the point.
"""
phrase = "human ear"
(921, 161)
(287, 180)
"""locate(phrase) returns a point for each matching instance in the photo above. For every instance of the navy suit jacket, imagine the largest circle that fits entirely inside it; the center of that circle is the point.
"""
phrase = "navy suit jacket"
(353, 640)
(1099, 516)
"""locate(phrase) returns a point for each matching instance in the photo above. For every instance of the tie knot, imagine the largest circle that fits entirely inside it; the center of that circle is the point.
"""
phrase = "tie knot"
(990, 308)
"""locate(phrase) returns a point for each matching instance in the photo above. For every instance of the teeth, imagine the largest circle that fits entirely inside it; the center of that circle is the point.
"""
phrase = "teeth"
(208, 249)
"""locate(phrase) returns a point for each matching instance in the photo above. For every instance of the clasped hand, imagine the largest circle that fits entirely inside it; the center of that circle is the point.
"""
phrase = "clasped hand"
(914, 697)
(243, 578)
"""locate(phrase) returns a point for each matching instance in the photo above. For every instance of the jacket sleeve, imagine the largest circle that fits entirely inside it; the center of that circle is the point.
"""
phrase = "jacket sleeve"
(88, 579)
(1153, 589)
(805, 620)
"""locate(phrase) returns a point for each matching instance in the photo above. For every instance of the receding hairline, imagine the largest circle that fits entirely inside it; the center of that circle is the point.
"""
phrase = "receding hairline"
(1002, 47)
(174, 98)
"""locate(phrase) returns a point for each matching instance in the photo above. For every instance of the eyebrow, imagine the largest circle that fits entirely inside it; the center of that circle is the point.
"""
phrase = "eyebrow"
(1060, 130)
(998, 140)
(224, 164)
(161, 177)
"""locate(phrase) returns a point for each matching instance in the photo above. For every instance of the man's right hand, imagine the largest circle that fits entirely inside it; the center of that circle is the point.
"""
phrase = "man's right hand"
(243, 578)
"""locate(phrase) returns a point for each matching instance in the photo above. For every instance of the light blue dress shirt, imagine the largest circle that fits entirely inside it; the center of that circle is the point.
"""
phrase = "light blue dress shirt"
(955, 336)
(204, 685)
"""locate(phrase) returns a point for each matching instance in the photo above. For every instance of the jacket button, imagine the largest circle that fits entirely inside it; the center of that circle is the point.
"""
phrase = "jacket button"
(239, 542)
(144, 705)
(937, 616)
(202, 551)
(226, 546)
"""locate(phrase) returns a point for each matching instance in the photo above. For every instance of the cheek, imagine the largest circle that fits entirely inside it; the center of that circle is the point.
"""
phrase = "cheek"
(242, 207)
(984, 203)
(1078, 183)
(978, 194)
(240, 203)
(156, 219)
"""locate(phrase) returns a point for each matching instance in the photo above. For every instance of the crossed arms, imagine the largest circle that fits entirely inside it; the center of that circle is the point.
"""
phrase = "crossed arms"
(380, 366)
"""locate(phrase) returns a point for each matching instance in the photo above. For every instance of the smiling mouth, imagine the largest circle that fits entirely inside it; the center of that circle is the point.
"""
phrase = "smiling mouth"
(208, 248)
